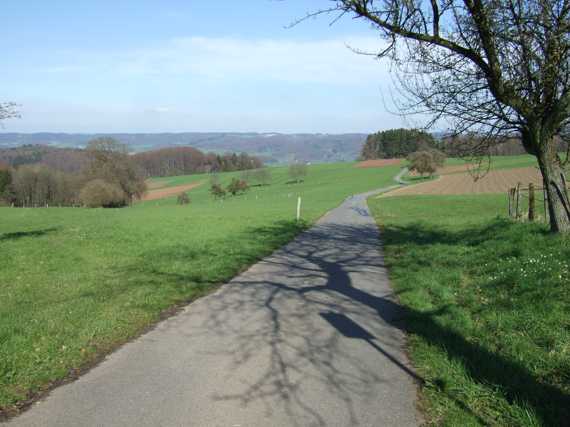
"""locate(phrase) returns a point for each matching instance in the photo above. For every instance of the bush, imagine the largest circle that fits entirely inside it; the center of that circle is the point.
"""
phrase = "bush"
(98, 193)
(237, 186)
(217, 191)
(183, 199)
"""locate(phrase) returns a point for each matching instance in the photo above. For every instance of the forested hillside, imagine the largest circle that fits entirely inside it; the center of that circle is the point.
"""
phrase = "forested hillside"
(162, 162)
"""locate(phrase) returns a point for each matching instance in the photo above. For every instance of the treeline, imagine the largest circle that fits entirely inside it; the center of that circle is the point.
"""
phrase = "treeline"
(396, 143)
(400, 143)
(109, 178)
(104, 174)
(188, 160)
(161, 162)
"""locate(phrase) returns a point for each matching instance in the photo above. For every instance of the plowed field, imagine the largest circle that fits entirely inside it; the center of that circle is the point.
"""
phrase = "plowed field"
(378, 163)
(497, 181)
(161, 193)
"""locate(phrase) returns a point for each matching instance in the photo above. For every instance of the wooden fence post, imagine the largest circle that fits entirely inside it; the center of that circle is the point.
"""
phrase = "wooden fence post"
(510, 195)
(531, 202)
(518, 201)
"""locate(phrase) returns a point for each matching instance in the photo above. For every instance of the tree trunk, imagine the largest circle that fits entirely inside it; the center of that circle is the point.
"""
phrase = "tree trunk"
(556, 191)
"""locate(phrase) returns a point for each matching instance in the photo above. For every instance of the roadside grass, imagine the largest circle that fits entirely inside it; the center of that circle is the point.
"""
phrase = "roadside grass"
(488, 309)
(76, 283)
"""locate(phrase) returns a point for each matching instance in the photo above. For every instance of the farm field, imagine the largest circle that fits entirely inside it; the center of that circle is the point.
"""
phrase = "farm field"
(461, 177)
(495, 181)
(157, 191)
(488, 308)
(378, 163)
(76, 283)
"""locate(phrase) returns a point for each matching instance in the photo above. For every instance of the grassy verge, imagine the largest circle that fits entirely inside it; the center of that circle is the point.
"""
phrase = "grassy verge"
(76, 283)
(489, 309)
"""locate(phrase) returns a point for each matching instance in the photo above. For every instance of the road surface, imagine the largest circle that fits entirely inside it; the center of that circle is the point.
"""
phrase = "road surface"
(310, 336)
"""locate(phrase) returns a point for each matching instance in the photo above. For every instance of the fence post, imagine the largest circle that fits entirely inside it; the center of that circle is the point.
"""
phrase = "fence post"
(518, 201)
(510, 197)
(531, 202)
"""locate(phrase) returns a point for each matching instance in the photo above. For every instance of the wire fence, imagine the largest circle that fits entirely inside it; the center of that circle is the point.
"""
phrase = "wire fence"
(528, 202)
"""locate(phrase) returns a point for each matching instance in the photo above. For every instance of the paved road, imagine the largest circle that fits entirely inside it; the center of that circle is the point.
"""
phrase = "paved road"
(310, 336)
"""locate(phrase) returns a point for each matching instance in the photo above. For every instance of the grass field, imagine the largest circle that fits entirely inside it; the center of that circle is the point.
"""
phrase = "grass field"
(75, 283)
(488, 305)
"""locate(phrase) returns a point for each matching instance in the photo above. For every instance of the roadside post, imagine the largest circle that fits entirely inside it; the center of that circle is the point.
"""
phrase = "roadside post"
(298, 208)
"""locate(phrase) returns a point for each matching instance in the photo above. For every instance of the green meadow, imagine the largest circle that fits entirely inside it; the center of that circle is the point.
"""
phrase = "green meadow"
(488, 309)
(75, 283)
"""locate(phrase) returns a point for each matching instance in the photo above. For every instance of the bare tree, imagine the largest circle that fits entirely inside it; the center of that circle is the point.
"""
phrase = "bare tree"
(498, 68)
(8, 111)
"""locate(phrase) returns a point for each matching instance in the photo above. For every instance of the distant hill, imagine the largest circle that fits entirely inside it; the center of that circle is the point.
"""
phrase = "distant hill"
(271, 147)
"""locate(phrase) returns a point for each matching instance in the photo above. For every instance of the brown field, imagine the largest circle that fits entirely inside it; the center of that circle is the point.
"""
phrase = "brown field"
(161, 193)
(498, 181)
(378, 163)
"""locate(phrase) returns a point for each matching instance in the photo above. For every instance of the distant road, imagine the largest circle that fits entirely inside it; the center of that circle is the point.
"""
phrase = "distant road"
(310, 336)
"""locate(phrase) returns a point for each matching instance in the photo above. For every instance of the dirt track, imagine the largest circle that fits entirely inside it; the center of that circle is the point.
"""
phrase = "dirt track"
(498, 181)
(161, 193)
(378, 163)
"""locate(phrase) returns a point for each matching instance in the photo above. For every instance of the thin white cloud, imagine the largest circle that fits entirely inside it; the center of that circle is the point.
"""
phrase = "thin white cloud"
(329, 61)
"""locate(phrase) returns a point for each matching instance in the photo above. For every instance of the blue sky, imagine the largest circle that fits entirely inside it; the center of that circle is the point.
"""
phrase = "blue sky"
(189, 65)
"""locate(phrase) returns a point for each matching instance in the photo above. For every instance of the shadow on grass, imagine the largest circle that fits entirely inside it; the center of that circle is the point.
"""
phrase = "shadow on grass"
(21, 234)
(498, 371)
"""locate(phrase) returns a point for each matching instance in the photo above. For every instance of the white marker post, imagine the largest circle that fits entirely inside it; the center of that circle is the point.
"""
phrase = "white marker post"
(298, 208)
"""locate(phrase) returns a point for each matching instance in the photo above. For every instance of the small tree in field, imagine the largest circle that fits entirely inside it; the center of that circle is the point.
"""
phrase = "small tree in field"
(217, 191)
(298, 172)
(423, 162)
(237, 186)
(183, 198)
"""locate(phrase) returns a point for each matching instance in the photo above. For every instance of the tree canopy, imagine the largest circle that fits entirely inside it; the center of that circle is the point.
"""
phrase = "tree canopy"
(395, 143)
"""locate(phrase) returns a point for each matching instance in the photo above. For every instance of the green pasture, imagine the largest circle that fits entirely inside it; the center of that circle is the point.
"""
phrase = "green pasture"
(488, 309)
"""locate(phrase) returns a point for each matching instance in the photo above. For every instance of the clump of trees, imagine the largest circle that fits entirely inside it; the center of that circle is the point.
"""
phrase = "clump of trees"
(110, 178)
(237, 186)
(426, 162)
(298, 172)
(396, 143)
(110, 162)
(5, 181)
(40, 186)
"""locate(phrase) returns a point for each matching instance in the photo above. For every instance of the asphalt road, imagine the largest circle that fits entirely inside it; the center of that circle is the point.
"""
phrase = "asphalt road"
(310, 336)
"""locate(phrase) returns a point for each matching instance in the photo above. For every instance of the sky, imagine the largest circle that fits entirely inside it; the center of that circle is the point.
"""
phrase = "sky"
(190, 66)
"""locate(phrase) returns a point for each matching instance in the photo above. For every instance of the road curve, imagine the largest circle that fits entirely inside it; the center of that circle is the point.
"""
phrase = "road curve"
(309, 336)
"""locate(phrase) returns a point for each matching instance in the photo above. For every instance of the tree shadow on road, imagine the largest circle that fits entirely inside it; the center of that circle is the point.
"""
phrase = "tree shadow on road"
(312, 276)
